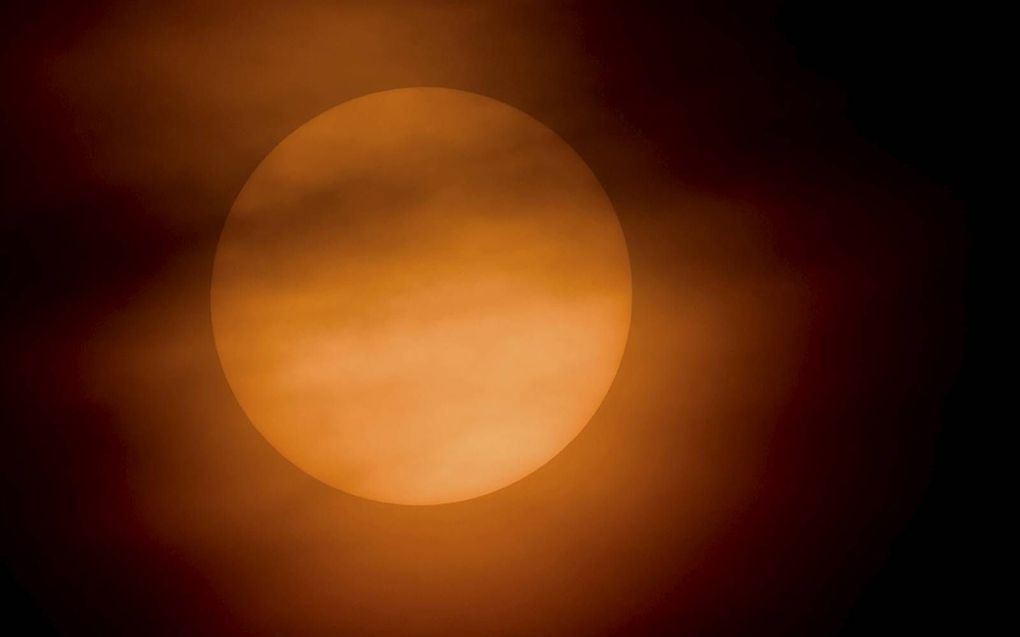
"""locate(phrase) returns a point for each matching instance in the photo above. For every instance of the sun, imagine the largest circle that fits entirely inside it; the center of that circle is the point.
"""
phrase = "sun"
(421, 296)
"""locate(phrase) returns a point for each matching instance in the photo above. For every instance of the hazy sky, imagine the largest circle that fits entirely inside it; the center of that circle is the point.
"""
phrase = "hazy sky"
(795, 322)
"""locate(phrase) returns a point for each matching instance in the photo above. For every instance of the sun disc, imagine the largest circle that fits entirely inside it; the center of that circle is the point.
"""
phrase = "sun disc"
(421, 296)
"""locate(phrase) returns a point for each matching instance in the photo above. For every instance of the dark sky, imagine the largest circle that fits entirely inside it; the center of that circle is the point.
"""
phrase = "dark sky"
(836, 144)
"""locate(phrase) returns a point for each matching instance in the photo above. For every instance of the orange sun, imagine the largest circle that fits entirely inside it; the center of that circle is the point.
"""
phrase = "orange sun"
(421, 296)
